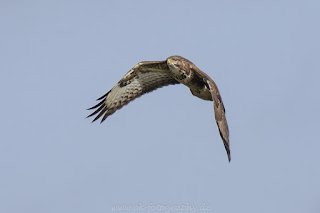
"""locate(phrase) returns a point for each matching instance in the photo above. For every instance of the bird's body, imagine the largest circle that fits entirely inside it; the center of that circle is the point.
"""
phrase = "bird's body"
(150, 75)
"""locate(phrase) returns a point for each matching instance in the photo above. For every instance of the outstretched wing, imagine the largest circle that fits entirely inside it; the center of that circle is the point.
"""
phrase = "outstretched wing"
(142, 78)
(219, 110)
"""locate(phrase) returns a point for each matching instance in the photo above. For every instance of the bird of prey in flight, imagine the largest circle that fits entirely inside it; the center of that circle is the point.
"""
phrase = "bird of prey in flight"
(147, 76)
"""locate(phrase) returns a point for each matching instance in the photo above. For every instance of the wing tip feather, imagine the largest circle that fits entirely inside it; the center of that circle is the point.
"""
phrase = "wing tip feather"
(105, 95)
(227, 147)
(102, 108)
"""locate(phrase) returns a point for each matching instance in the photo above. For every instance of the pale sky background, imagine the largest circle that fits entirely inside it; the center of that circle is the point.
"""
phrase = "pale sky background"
(164, 148)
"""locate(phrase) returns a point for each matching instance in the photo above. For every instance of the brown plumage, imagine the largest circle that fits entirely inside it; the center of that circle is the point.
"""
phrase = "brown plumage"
(151, 75)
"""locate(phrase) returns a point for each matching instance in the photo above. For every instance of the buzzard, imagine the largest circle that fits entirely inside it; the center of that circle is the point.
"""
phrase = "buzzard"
(147, 76)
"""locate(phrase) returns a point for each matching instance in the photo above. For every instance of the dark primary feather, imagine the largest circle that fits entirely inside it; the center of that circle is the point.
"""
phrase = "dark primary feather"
(143, 78)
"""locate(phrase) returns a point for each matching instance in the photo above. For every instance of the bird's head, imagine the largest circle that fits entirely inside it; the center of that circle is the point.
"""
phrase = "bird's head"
(175, 61)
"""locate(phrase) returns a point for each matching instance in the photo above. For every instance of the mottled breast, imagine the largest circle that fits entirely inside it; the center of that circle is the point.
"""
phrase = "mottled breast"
(181, 71)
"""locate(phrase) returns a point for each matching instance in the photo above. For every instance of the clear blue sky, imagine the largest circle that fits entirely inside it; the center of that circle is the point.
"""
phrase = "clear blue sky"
(164, 148)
